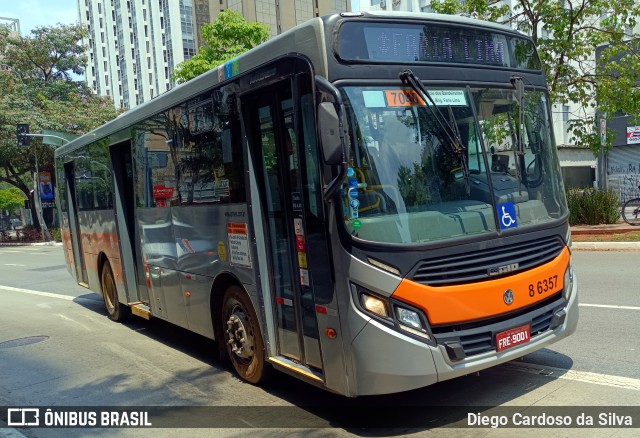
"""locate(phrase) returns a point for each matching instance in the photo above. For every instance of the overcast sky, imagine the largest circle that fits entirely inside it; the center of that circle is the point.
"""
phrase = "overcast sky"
(34, 13)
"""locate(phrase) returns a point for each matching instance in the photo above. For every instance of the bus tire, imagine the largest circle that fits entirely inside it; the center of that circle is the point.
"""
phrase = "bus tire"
(115, 310)
(242, 336)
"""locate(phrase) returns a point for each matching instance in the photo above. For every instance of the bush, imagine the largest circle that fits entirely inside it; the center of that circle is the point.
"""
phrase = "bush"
(593, 207)
(30, 234)
(56, 235)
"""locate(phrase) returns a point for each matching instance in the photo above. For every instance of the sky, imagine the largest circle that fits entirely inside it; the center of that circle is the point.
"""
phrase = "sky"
(34, 13)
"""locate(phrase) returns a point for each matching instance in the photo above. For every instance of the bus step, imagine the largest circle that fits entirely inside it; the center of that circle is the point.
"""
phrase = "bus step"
(296, 369)
(141, 310)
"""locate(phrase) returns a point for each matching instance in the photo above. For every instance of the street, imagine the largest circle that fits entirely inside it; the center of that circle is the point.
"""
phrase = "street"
(57, 348)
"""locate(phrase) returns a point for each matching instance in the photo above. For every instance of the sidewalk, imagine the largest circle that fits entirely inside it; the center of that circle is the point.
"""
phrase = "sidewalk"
(619, 228)
(605, 229)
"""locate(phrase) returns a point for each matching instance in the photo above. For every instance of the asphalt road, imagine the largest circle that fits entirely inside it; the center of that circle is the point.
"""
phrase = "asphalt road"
(57, 348)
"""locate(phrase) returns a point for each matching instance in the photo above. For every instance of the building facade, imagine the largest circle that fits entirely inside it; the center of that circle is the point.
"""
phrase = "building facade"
(135, 45)
(13, 24)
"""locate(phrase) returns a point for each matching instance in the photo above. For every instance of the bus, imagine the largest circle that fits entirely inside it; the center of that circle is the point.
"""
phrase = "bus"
(371, 202)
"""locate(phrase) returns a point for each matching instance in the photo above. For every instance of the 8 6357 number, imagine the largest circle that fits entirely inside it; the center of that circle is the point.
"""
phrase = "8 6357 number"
(543, 286)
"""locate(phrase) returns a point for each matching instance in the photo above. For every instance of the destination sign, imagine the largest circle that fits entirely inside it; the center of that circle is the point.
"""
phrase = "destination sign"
(434, 43)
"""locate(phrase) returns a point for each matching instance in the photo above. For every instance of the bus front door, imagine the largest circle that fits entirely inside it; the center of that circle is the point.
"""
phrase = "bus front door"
(74, 225)
(273, 117)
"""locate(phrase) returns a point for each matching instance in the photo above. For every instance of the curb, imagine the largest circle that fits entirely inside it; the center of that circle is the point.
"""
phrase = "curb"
(606, 246)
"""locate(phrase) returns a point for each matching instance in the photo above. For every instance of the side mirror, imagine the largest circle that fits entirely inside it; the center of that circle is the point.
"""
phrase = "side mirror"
(329, 128)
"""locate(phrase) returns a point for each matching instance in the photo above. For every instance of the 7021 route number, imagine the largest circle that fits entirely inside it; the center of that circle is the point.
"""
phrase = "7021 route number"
(544, 285)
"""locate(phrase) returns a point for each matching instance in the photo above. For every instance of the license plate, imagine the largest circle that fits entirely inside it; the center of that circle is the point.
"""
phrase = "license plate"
(512, 337)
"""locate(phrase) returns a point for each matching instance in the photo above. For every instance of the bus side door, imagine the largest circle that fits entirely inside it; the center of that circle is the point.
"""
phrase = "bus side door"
(74, 225)
(273, 120)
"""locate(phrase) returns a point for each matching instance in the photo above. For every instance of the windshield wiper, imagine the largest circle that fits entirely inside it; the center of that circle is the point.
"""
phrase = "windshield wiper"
(517, 135)
(449, 127)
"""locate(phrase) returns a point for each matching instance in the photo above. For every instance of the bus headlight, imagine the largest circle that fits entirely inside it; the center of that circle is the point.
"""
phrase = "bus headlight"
(568, 282)
(409, 318)
(398, 315)
(374, 305)
(410, 321)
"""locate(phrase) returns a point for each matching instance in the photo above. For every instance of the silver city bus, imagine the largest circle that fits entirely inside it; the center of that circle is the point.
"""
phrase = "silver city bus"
(371, 202)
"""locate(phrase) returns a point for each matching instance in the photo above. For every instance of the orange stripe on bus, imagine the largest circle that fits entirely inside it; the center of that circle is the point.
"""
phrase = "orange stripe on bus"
(450, 304)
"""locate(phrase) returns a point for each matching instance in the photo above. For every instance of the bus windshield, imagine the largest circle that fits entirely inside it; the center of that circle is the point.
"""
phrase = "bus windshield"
(469, 161)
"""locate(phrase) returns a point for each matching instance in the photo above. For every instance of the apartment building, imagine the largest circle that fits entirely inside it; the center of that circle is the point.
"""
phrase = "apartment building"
(13, 24)
(134, 45)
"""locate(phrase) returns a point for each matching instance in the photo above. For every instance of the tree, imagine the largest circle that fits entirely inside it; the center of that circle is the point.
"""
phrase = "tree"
(226, 38)
(569, 34)
(10, 200)
(37, 87)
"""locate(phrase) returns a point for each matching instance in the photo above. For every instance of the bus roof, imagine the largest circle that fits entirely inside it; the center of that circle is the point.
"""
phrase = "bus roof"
(307, 39)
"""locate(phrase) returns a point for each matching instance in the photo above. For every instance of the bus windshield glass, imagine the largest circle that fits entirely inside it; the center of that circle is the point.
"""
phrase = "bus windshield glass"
(470, 161)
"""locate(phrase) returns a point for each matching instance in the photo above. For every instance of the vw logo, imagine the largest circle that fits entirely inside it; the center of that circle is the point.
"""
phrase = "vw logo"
(508, 296)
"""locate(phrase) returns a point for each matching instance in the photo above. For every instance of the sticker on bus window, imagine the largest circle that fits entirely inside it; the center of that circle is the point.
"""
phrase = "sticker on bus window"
(374, 99)
(448, 97)
(397, 98)
(507, 215)
(238, 236)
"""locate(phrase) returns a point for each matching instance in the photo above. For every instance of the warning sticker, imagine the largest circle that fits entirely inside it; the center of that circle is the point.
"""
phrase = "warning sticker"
(238, 244)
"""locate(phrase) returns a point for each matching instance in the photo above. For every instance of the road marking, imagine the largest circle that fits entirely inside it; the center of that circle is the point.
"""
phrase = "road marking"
(43, 294)
(66, 318)
(608, 306)
(578, 376)
(13, 264)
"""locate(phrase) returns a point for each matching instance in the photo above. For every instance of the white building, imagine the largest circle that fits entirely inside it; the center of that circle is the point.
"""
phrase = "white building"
(134, 45)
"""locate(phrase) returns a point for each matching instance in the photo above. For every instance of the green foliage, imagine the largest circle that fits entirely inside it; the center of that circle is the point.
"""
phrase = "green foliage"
(11, 199)
(36, 87)
(56, 234)
(226, 38)
(592, 207)
(481, 9)
(568, 34)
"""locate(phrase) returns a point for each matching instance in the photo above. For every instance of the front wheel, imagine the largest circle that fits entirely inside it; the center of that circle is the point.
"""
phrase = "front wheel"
(631, 212)
(116, 310)
(242, 336)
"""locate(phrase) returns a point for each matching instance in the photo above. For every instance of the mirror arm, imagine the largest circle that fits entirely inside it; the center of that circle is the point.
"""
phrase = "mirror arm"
(332, 188)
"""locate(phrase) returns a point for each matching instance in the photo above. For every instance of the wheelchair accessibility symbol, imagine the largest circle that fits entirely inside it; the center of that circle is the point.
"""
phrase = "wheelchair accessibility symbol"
(507, 215)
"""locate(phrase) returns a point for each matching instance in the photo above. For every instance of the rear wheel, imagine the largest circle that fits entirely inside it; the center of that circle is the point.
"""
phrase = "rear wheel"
(631, 211)
(242, 336)
(116, 310)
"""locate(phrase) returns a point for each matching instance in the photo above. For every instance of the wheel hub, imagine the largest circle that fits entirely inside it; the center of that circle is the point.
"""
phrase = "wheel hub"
(238, 337)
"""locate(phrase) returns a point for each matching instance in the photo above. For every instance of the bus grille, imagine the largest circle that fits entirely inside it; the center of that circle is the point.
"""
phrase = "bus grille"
(475, 266)
(477, 338)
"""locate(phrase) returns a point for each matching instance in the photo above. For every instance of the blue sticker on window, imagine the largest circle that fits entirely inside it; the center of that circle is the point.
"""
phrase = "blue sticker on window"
(507, 215)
